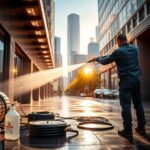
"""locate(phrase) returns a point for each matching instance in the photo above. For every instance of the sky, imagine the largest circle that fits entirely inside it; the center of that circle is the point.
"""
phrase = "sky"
(88, 12)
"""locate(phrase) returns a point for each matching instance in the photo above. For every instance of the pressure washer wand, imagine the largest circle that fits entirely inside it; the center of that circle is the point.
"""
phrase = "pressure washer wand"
(92, 60)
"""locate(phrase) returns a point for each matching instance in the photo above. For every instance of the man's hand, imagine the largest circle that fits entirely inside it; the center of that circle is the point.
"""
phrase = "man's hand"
(92, 60)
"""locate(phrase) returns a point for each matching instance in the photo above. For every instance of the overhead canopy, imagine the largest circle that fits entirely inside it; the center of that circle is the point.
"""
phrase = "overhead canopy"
(25, 21)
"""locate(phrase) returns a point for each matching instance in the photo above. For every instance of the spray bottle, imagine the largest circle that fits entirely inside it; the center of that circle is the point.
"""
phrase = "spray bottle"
(12, 124)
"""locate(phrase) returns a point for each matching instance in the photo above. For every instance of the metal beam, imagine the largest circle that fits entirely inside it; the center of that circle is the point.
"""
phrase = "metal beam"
(11, 4)
(26, 28)
(19, 18)
(30, 36)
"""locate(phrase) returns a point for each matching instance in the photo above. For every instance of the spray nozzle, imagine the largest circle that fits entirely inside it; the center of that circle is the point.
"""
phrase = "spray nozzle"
(92, 60)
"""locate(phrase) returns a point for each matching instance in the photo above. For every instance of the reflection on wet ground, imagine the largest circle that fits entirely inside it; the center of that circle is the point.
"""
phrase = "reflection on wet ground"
(86, 140)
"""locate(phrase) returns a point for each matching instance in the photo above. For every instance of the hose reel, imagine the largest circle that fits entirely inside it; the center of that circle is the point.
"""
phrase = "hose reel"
(4, 105)
(48, 128)
(43, 115)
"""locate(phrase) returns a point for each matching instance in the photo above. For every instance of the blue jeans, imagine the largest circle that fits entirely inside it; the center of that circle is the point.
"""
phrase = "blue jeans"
(129, 88)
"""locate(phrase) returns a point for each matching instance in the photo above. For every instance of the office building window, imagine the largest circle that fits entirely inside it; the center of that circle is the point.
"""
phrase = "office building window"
(124, 30)
(112, 42)
(1, 55)
(48, 13)
(134, 20)
(141, 14)
(148, 7)
(47, 2)
(129, 26)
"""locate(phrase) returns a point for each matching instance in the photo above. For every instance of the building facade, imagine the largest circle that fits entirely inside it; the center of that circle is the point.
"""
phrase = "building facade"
(131, 17)
(58, 60)
(26, 47)
(57, 44)
(73, 39)
(73, 36)
(97, 33)
(93, 49)
(77, 59)
(58, 55)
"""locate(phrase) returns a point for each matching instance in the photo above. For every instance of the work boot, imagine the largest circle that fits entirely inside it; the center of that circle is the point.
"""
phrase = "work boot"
(140, 131)
(126, 134)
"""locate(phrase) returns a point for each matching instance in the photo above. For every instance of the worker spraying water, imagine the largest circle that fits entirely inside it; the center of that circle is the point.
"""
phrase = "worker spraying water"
(129, 72)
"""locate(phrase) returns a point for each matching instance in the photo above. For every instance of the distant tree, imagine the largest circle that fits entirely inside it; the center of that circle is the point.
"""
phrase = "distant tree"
(84, 82)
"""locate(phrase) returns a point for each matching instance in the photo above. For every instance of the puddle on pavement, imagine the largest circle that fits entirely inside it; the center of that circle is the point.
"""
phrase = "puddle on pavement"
(92, 110)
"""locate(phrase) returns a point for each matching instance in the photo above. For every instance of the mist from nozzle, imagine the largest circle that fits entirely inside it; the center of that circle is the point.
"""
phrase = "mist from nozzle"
(32, 81)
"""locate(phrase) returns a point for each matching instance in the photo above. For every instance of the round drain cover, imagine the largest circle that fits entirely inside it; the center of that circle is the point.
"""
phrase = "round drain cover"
(94, 125)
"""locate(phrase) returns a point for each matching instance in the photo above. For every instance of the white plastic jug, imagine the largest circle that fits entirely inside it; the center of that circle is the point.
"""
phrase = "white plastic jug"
(12, 124)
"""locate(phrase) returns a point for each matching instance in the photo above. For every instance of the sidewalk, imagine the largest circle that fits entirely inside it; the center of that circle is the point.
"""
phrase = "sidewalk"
(86, 140)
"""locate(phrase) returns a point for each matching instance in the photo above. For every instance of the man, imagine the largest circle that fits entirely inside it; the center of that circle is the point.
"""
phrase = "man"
(126, 58)
(59, 91)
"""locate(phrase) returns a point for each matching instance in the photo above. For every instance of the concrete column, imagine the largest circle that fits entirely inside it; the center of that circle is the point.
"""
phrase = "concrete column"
(12, 71)
(26, 97)
(42, 94)
(46, 91)
(39, 94)
(144, 46)
(36, 91)
(31, 96)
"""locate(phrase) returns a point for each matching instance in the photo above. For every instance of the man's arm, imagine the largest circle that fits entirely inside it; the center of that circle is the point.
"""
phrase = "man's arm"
(107, 59)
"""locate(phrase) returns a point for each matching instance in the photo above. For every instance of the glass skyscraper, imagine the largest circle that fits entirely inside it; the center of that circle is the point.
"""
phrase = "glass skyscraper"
(73, 39)
(73, 35)
(131, 17)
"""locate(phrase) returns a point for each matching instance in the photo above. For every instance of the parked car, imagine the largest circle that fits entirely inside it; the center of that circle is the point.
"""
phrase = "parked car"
(107, 94)
(115, 94)
(82, 94)
(98, 93)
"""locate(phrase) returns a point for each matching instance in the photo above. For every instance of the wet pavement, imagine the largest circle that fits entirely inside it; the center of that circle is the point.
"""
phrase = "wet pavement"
(86, 140)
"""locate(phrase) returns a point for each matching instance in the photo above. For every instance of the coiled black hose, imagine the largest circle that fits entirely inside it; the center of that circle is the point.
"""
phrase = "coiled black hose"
(92, 122)
(43, 115)
(49, 128)
(92, 125)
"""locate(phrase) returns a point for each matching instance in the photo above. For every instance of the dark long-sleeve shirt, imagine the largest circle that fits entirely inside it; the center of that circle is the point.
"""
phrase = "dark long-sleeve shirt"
(126, 58)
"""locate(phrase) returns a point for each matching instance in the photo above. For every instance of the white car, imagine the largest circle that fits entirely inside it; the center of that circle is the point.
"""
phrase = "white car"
(107, 93)
(115, 94)
(98, 93)
(82, 94)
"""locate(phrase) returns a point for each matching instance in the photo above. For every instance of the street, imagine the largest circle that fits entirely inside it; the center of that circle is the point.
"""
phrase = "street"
(89, 140)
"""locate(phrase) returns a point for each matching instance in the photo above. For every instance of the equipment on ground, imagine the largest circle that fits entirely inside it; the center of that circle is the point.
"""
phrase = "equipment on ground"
(44, 123)
(43, 115)
(49, 128)
(12, 124)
